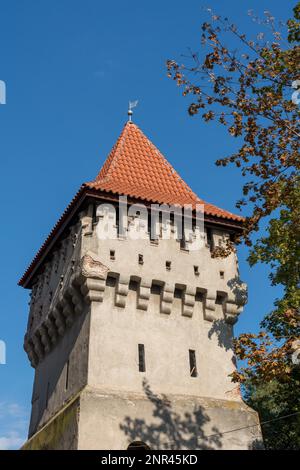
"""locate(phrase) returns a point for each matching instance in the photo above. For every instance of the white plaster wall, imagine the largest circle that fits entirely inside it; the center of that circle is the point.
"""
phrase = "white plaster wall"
(155, 257)
(116, 331)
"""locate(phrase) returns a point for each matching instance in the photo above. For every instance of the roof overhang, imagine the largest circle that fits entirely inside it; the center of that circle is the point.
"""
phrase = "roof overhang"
(86, 192)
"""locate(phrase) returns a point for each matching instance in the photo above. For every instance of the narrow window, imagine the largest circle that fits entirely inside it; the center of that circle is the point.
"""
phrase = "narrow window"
(117, 219)
(168, 265)
(141, 259)
(142, 365)
(193, 366)
(149, 224)
(196, 270)
(182, 242)
(209, 238)
(67, 376)
(112, 254)
(222, 274)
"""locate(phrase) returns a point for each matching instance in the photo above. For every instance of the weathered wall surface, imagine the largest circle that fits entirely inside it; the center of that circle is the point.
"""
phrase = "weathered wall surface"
(114, 420)
(60, 433)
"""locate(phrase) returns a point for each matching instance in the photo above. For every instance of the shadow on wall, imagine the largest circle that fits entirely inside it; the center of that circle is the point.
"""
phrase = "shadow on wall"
(170, 430)
(239, 290)
(220, 328)
(224, 334)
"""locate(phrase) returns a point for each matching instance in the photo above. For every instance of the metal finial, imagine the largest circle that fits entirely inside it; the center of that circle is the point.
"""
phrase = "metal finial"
(132, 104)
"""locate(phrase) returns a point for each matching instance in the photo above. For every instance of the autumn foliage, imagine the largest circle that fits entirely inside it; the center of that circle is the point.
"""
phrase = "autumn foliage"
(251, 90)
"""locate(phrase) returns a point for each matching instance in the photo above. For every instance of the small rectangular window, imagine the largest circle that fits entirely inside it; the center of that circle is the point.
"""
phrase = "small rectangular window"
(141, 259)
(196, 270)
(142, 365)
(168, 265)
(222, 274)
(117, 225)
(210, 240)
(193, 366)
(112, 254)
(67, 375)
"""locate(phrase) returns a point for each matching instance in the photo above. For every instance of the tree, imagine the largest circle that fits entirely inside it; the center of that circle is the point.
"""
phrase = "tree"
(253, 93)
(278, 406)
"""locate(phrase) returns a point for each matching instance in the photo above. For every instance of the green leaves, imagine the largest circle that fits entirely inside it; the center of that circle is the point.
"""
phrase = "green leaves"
(279, 410)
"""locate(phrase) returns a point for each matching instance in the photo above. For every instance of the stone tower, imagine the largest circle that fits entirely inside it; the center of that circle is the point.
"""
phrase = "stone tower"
(131, 338)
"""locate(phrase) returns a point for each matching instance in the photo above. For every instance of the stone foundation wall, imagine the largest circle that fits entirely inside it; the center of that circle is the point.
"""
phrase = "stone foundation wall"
(109, 420)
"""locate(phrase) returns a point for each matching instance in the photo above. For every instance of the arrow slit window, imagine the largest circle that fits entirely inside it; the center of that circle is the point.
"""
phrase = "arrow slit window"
(142, 364)
(193, 365)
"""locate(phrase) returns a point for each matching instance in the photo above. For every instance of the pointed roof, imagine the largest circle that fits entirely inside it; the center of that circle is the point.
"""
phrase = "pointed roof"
(136, 168)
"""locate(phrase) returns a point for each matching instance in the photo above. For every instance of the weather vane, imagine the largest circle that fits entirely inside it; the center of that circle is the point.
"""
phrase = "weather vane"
(132, 104)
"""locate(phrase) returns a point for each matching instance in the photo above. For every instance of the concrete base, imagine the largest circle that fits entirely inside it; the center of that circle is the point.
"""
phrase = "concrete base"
(112, 420)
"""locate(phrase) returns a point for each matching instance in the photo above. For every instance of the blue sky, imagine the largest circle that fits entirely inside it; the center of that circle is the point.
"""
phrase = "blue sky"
(70, 67)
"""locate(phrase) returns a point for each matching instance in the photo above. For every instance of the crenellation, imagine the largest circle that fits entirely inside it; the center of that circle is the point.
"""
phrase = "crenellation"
(144, 292)
(122, 288)
(51, 328)
(38, 345)
(67, 309)
(231, 312)
(59, 320)
(45, 339)
(76, 298)
(188, 301)
(210, 306)
(167, 297)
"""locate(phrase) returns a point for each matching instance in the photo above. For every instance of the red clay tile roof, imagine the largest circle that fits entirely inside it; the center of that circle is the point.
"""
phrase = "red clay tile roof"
(136, 168)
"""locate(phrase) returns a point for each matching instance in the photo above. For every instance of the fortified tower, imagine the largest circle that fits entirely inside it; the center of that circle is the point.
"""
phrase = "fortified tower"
(131, 337)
